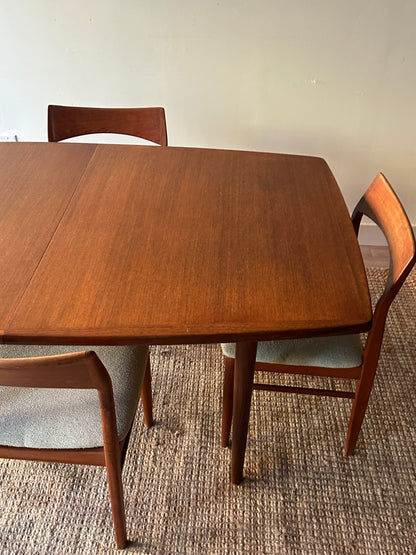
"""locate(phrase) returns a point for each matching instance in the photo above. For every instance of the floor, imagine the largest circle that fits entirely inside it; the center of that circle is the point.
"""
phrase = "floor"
(375, 257)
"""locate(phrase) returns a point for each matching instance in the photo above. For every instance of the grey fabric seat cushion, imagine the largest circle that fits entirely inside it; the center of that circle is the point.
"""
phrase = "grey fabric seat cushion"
(69, 418)
(342, 351)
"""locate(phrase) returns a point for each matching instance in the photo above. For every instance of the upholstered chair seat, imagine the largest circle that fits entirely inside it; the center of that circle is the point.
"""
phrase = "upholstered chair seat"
(69, 418)
(341, 351)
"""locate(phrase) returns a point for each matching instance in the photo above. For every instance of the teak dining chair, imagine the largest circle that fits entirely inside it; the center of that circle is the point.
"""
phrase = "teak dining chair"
(339, 356)
(65, 122)
(49, 410)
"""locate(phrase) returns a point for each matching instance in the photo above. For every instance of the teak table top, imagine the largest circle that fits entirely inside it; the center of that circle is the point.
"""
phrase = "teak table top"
(115, 244)
(127, 244)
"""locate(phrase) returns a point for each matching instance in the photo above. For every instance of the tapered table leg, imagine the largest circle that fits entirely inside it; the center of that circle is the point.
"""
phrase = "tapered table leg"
(245, 358)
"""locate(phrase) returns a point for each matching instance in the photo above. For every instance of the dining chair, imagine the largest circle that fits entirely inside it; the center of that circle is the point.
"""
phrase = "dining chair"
(339, 356)
(65, 122)
(49, 410)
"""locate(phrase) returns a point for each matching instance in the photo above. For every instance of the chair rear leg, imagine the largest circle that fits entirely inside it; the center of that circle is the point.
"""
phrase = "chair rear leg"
(227, 401)
(359, 407)
(146, 395)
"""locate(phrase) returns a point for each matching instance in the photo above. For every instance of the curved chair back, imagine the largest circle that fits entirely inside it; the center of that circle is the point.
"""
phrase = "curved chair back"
(65, 122)
(381, 204)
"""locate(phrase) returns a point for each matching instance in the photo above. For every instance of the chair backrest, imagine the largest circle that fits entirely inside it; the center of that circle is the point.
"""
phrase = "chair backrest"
(65, 122)
(82, 370)
(381, 204)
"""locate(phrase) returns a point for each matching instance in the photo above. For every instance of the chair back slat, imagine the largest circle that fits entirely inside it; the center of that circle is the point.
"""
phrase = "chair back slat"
(65, 122)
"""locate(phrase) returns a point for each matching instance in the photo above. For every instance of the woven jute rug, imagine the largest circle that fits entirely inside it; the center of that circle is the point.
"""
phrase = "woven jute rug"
(299, 495)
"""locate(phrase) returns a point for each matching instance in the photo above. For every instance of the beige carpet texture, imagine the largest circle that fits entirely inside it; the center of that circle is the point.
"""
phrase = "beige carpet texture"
(299, 495)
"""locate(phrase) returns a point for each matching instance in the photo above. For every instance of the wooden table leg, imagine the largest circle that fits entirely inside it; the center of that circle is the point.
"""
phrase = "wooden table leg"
(245, 358)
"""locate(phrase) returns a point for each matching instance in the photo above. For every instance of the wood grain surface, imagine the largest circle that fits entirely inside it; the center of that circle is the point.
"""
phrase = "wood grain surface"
(36, 185)
(180, 245)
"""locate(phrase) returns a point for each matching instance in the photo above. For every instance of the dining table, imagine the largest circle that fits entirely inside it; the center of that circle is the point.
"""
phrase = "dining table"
(127, 244)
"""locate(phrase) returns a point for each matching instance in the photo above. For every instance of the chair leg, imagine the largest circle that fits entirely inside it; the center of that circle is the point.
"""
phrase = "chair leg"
(227, 401)
(115, 486)
(146, 395)
(359, 406)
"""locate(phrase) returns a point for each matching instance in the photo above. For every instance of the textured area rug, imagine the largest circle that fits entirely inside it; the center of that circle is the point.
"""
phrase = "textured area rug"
(299, 495)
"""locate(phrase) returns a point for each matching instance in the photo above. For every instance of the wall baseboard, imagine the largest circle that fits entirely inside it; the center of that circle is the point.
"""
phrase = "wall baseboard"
(370, 234)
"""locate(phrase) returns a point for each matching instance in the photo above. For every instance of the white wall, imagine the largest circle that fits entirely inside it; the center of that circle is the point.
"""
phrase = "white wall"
(333, 78)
